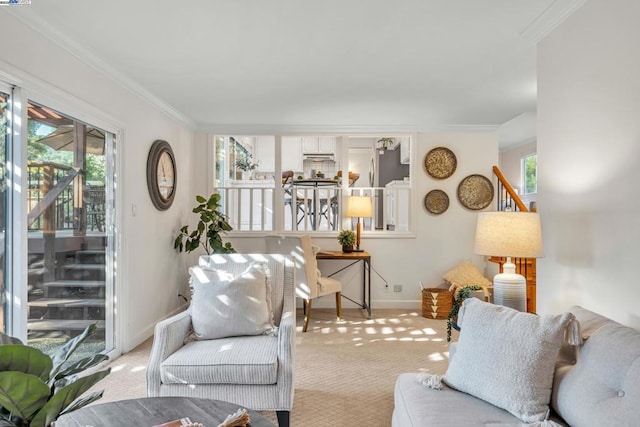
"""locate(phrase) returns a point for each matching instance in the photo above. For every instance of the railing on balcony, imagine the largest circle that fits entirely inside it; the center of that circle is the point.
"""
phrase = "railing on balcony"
(50, 181)
(312, 208)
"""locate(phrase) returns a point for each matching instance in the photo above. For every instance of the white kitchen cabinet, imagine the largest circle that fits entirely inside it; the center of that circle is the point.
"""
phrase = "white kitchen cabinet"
(292, 153)
(397, 205)
(405, 151)
(318, 144)
(265, 153)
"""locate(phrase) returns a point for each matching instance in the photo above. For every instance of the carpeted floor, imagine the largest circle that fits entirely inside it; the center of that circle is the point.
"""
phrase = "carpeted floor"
(345, 371)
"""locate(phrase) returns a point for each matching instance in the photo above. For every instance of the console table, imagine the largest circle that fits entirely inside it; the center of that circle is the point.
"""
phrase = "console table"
(150, 411)
(354, 257)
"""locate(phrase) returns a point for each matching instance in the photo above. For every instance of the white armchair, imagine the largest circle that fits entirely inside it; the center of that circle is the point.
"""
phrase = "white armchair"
(309, 283)
(255, 372)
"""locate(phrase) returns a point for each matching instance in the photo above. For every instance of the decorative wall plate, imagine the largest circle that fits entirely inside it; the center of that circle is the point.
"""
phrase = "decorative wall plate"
(440, 163)
(436, 202)
(475, 192)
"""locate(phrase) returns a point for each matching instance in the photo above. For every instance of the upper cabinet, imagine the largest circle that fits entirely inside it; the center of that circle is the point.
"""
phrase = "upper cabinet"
(318, 144)
(291, 153)
(265, 152)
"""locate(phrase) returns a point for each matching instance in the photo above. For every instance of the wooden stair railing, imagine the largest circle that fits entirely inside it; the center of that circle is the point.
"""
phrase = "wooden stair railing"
(524, 266)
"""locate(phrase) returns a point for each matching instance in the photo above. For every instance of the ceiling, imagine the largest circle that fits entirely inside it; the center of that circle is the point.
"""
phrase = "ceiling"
(299, 64)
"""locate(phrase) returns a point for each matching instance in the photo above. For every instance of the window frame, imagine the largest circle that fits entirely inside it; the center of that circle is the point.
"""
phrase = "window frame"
(523, 174)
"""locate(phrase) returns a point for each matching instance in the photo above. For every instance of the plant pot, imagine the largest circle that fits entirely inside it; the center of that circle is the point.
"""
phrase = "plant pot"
(347, 248)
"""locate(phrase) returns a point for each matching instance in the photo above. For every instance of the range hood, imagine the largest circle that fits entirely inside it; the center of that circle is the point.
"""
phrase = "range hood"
(315, 157)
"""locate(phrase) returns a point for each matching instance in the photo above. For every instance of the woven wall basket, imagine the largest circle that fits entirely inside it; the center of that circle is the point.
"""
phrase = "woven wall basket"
(436, 303)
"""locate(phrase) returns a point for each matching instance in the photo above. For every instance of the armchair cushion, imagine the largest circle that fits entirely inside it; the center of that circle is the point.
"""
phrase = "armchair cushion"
(239, 360)
(224, 305)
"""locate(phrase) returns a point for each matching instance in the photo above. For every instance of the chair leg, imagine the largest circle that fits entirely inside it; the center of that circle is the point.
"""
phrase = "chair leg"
(283, 418)
(307, 314)
(339, 304)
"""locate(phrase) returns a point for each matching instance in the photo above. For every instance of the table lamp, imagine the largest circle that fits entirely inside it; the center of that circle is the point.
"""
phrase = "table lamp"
(509, 234)
(359, 207)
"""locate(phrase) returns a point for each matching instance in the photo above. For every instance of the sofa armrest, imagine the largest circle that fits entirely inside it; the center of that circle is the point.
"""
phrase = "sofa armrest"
(168, 337)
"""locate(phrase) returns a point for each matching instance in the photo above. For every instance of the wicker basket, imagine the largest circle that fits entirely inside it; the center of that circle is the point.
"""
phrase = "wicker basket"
(436, 303)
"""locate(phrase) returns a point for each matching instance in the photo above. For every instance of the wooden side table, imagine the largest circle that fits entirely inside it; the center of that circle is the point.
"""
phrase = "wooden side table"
(355, 257)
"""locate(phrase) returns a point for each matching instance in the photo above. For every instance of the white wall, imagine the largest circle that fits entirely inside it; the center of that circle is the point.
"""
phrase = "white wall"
(148, 277)
(588, 153)
(440, 241)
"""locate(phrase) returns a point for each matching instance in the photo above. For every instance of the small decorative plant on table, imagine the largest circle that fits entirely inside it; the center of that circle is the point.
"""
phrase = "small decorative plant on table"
(347, 238)
(463, 294)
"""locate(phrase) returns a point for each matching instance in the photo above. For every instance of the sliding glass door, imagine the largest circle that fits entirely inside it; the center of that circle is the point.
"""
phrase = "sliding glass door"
(70, 230)
(5, 223)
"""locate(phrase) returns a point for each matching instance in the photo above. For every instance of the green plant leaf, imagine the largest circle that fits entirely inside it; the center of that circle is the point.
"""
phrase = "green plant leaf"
(22, 394)
(64, 397)
(200, 199)
(25, 359)
(84, 401)
(6, 339)
(81, 365)
(66, 350)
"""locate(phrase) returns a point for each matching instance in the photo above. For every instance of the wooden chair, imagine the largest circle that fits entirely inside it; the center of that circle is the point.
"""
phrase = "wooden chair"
(309, 284)
(303, 205)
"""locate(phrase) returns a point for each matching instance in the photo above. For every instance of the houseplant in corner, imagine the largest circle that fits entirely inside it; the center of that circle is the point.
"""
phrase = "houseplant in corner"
(208, 232)
(36, 389)
(347, 238)
(463, 294)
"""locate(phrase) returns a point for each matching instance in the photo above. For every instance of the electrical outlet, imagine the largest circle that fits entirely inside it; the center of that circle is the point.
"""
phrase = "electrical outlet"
(386, 287)
(397, 288)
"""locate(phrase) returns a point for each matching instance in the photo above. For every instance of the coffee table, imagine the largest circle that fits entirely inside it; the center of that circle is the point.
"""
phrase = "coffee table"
(150, 411)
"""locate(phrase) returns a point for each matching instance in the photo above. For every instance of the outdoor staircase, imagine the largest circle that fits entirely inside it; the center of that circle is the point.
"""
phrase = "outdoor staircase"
(75, 298)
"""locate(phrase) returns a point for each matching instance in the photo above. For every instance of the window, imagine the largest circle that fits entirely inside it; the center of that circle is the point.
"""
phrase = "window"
(529, 170)
(308, 189)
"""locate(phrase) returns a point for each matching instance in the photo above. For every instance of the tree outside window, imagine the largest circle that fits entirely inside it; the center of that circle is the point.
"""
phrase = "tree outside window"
(529, 174)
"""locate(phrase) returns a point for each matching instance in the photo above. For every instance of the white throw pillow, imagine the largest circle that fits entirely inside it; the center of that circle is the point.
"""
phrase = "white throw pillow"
(507, 357)
(225, 306)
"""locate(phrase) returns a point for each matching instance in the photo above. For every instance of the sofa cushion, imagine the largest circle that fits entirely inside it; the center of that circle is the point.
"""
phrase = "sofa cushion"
(507, 357)
(239, 360)
(603, 388)
(224, 305)
(415, 405)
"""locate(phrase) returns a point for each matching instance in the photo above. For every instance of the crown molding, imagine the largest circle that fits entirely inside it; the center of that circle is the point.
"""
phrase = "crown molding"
(550, 18)
(48, 31)
(293, 129)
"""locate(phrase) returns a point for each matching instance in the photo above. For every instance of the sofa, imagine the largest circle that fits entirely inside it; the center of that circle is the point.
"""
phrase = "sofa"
(594, 384)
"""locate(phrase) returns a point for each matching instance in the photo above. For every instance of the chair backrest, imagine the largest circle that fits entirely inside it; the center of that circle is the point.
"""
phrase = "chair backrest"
(287, 177)
(301, 251)
(281, 273)
(353, 177)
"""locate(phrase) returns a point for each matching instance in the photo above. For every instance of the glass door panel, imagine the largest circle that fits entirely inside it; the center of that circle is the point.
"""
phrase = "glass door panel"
(69, 228)
(5, 142)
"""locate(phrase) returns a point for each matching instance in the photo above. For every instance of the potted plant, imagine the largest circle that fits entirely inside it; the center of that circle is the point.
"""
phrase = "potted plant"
(463, 294)
(36, 389)
(208, 233)
(244, 162)
(347, 238)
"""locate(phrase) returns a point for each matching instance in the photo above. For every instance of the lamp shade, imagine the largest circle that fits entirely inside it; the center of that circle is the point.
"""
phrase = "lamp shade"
(512, 234)
(359, 206)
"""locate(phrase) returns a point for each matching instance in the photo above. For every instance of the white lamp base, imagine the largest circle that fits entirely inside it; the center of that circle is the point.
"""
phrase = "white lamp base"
(509, 288)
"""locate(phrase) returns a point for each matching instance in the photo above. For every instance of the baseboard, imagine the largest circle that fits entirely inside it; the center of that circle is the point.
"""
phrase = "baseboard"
(330, 302)
(145, 333)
